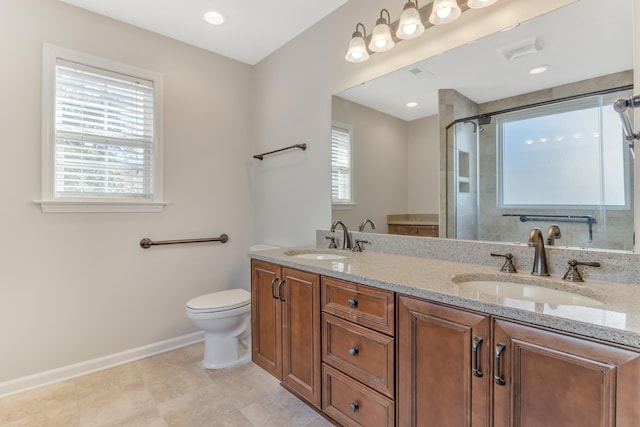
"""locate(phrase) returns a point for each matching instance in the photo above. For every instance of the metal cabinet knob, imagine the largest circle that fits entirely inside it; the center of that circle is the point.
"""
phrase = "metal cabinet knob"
(353, 407)
(353, 351)
(353, 303)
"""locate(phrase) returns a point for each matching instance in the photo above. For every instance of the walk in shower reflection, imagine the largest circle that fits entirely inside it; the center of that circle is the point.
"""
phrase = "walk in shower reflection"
(563, 164)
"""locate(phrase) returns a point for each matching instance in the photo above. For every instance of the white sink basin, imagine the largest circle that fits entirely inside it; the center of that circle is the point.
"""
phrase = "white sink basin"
(315, 255)
(527, 292)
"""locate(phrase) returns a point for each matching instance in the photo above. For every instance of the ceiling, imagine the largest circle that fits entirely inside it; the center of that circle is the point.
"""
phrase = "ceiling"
(585, 39)
(254, 28)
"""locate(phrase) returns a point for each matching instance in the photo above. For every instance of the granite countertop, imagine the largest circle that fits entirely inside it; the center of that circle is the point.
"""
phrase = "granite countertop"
(617, 320)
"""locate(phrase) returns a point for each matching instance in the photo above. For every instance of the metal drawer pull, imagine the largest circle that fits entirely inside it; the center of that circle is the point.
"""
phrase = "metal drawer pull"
(353, 351)
(353, 303)
(273, 288)
(476, 345)
(280, 291)
(498, 377)
(353, 406)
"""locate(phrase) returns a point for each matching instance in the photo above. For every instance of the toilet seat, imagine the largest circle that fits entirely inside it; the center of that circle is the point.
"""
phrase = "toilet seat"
(219, 301)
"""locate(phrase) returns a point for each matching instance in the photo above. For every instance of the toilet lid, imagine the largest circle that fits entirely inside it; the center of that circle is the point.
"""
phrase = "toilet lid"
(218, 301)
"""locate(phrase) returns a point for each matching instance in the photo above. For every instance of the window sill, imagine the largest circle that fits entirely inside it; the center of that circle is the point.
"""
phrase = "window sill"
(99, 206)
(343, 206)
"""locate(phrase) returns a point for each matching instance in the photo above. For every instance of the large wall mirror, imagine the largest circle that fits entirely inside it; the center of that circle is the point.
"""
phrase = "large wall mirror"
(460, 140)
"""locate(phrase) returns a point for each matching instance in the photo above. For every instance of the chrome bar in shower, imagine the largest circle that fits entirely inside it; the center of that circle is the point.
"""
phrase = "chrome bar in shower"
(578, 219)
(621, 106)
(147, 243)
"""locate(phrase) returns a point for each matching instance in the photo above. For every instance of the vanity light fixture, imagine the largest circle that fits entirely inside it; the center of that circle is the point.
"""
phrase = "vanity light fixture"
(444, 11)
(214, 17)
(357, 51)
(381, 40)
(410, 25)
(479, 4)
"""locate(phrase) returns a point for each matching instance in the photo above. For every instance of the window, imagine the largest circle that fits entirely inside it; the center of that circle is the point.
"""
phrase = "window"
(581, 146)
(341, 164)
(102, 140)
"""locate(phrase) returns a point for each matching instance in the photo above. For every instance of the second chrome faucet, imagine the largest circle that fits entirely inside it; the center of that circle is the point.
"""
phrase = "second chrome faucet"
(346, 237)
(540, 266)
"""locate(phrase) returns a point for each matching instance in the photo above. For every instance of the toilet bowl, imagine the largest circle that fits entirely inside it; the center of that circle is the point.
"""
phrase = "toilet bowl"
(225, 318)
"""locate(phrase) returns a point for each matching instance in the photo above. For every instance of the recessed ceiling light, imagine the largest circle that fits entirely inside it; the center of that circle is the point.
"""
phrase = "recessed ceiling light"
(215, 17)
(539, 70)
(412, 104)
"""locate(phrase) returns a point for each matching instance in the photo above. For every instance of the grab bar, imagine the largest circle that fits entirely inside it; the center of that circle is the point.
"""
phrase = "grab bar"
(147, 243)
(300, 146)
(578, 219)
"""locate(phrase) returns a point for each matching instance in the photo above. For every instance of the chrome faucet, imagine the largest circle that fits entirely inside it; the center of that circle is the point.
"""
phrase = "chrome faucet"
(540, 267)
(346, 237)
(364, 224)
(553, 233)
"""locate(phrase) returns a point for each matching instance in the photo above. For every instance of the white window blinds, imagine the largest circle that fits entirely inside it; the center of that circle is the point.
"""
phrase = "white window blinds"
(341, 165)
(103, 133)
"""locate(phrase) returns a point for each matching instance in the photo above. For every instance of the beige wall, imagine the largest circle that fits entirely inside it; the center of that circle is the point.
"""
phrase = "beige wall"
(380, 147)
(395, 165)
(423, 166)
(74, 287)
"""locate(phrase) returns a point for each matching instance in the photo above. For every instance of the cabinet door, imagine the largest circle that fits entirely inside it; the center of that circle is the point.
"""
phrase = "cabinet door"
(549, 379)
(301, 333)
(444, 375)
(266, 330)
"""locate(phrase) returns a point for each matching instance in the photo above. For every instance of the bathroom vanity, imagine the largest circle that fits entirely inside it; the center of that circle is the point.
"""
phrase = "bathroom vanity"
(378, 339)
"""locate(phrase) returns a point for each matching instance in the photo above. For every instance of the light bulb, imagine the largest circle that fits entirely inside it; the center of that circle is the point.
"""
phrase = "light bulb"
(444, 11)
(479, 4)
(381, 40)
(410, 25)
(357, 51)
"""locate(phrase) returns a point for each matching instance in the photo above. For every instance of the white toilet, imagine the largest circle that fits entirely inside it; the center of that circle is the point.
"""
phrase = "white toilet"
(225, 317)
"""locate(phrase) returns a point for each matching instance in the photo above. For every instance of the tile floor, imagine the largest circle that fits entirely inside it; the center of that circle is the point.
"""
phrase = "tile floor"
(170, 389)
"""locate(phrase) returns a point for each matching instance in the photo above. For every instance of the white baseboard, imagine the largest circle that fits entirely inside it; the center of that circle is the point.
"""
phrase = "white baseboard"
(40, 379)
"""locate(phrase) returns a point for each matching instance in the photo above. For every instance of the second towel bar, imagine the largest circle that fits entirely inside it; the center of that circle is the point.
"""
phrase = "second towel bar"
(147, 243)
(303, 147)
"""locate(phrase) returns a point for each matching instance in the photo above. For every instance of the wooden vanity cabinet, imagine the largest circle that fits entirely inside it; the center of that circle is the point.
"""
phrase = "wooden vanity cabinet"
(358, 354)
(414, 230)
(285, 326)
(517, 375)
(444, 365)
(546, 378)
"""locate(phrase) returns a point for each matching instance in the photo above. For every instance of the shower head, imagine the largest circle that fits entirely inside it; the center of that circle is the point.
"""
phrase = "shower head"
(476, 127)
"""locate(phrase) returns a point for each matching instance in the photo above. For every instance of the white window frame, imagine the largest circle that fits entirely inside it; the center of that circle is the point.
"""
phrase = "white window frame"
(348, 204)
(49, 202)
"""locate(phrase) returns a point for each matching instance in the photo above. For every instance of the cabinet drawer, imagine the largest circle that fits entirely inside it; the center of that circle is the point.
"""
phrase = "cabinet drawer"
(414, 230)
(352, 404)
(364, 305)
(365, 355)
